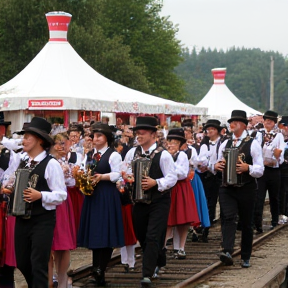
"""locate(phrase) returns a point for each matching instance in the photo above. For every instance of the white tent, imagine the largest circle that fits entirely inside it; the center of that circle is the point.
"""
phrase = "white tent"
(59, 79)
(221, 101)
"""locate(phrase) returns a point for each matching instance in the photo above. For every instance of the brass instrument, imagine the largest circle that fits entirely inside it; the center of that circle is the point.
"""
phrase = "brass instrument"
(229, 175)
(21, 207)
(84, 181)
(140, 168)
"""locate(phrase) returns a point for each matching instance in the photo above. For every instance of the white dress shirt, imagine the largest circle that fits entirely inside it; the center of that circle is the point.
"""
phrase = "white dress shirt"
(257, 168)
(277, 142)
(182, 166)
(115, 161)
(54, 177)
(210, 155)
(167, 167)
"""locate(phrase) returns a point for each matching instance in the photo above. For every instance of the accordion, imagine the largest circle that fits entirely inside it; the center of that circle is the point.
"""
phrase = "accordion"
(229, 175)
(140, 167)
(21, 207)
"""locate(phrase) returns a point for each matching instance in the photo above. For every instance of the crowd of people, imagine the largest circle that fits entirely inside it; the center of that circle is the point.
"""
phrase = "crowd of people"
(149, 185)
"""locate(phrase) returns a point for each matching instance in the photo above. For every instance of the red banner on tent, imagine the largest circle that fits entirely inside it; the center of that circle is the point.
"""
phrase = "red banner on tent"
(45, 103)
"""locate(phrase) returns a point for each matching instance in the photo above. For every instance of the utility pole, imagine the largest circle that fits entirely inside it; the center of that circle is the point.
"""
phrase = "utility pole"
(272, 84)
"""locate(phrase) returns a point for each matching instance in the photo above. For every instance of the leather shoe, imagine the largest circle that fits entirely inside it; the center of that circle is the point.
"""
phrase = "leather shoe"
(259, 230)
(226, 258)
(146, 282)
(245, 263)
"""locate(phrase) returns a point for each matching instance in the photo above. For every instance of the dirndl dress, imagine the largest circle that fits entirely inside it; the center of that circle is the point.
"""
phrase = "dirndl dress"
(10, 258)
(77, 199)
(101, 223)
(201, 201)
(183, 209)
(129, 235)
(64, 237)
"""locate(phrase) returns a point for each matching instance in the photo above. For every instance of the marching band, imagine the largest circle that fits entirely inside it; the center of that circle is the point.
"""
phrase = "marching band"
(79, 189)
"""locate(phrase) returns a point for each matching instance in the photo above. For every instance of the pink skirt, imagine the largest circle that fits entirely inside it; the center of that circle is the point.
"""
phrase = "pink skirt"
(10, 258)
(183, 209)
(129, 235)
(64, 233)
(77, 199)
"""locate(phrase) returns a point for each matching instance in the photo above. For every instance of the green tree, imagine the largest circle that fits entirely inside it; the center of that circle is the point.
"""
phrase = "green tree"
(126, 42)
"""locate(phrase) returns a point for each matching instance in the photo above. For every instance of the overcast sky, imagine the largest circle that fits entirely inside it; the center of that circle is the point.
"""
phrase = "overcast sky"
(226, 23)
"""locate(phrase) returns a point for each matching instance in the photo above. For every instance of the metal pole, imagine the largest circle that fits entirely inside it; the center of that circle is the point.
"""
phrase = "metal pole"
(272, 84)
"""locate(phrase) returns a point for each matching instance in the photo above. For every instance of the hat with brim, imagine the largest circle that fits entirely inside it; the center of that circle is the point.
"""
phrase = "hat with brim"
(271, 115)
(187, 123)
(177, 134)
(238, 115)
(104, 129)
(146, 123)
(39, 127)
(21, 132)
(283, 121)
(213, 123)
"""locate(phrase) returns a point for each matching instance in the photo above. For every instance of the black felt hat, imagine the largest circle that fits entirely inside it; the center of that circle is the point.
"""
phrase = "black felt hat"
(213, 123)
(76, 127)
(146, 123)
(104, 129)
(39, 127)
(187, 123)
(176, 133)
(271, 115)
(25, 124)
(238, 115)
(284, 121)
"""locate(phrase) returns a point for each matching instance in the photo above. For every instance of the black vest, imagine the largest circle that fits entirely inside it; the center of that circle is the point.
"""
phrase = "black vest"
(155, 172)
(73, 158)
(244, 148)
(4, 158)
(41, 185)
(103, 167)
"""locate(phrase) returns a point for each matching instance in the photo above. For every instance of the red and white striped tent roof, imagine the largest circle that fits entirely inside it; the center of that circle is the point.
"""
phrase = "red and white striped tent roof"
(221, 101)
(58, 78)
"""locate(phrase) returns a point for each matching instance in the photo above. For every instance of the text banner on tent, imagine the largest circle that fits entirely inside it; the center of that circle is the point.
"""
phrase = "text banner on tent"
(45, 103)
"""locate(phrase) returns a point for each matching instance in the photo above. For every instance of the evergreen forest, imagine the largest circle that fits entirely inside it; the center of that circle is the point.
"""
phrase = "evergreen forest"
(247, 76)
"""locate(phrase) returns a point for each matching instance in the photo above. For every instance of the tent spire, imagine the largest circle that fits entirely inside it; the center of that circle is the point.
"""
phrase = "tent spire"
(219, 75)
(58, 23)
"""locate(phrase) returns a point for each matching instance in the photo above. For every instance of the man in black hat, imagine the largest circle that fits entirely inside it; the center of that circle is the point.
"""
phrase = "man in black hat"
(283, 199)
(273, 151)
(150, 218)
(239, 198)
(207, 158)
(187, 125)
(34, 232)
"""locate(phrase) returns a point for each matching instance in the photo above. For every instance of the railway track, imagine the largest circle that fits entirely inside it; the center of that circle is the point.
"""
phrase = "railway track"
(201, 261)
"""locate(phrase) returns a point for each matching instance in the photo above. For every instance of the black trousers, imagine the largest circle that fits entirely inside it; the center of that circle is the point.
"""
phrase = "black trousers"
(283, 197)
(270, 181)
(150, 225)
(211, 185)
(7, 276)
(33, 241)
(234, 201)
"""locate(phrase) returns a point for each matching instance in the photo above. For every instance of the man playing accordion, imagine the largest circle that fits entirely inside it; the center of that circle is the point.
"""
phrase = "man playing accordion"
(239, 198)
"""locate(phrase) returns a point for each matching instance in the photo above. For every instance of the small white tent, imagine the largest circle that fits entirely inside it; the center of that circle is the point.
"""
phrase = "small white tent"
(221, 101)
(59, 79)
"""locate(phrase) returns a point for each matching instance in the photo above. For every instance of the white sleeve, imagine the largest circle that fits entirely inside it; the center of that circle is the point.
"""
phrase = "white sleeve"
(182, 166)
(56, 182)
(168, 169)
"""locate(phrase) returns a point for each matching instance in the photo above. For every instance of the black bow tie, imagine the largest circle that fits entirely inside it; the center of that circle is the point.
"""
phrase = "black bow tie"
(212, 142)
(32, 164)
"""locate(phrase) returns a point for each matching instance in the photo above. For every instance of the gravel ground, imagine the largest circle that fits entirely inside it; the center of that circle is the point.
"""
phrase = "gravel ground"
(265, 260)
